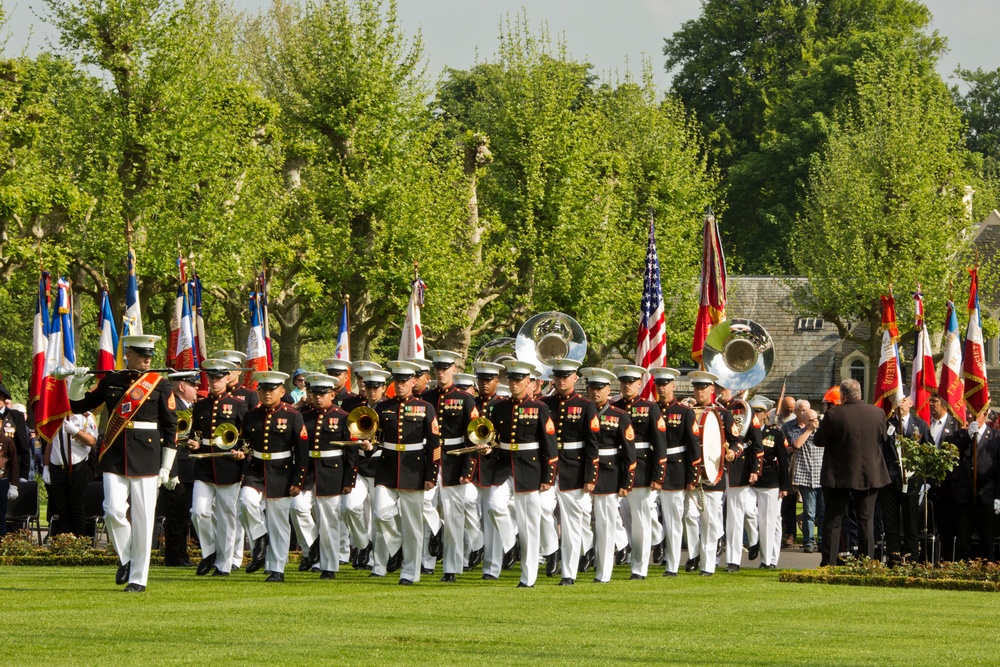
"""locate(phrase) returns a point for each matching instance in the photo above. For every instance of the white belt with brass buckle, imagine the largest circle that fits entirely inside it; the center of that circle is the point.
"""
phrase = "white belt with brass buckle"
(149, 426)
(519, 446)
(411, 447)
(452, 441)
(571, 445)
(325, 454)
(675, 450)
(607, 451)
(641, 445)
(206, 441)
(271, 456)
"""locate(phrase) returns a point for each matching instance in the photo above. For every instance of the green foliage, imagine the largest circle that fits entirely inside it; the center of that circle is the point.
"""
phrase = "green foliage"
(980, 106)
(976, 575)
(925, 460)
(885, 201)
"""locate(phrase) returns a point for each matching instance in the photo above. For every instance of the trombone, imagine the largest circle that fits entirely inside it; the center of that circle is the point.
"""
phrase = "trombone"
(224, 437)
(362, 424)
(183, 424)
(481, 434)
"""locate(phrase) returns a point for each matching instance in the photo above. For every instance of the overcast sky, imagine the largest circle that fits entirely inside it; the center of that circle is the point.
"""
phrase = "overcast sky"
(607, 33)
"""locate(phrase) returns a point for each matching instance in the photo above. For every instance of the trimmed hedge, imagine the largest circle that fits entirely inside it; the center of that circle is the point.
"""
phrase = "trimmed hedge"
(826, 576)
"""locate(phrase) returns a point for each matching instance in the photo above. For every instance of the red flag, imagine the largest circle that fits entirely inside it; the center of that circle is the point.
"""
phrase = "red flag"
(53, 405)
(950, 387)
(712, 306)
(977, 389)
(256, 344)
(651, 349)
(923, 382)
(889, 381)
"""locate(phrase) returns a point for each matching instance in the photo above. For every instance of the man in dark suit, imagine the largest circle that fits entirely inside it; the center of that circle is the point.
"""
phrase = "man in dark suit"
(976, 488)
(852, 435)
(15, 427)
(944, 428)
(899, 500)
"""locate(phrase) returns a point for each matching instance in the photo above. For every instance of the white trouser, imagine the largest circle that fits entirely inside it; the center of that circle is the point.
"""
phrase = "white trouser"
(453, 520)
(769, 522)
(621, 535)
(354, 507)
(528, 515)
(432, 523)
(302, 520)
(548, 538)
(134, 541)
(641, 520)
(692, 523)
(655, 519)
(588, 523)
(328, 524)
(407, 532)
(672, 503)
(279, 533)
(605, 520)
(345, 542)
(252, 505)
(571, 512)
(739, 501)
(711, 529)
(213, 513)
(492, 544)
(473, 522)
(380, 552)
(238, 535)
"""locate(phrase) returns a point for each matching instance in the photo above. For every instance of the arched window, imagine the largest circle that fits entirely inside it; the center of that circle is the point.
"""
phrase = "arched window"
(859, 371)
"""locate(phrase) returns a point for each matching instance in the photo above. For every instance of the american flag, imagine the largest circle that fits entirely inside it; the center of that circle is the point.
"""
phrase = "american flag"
(651, 350)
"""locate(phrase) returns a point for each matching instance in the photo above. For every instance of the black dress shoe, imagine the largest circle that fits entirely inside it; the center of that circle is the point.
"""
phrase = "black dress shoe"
(372, 574)
(636, 577)
(732, 567)
(405, 582)
(622, 555)
(476, 557)
(762, 566)
(587, 561)
(509, 558)
(489, 577)
(327, 574)
(219, 573)
(720, 548)
(692, 564)
(435, 545)
(598, 581)
(362, 557)
(276, 576)
(448, 579)
(566, 581)
(310, 557)
(135, 588)
(206, 565)
(426, 570)
(552, 564)
(658, 552)
(753, 551)
(258, 554)
(353, 558)
(395, 561)
(234, 568)
(706, 574)
(521, 584)
(121, 576)
(668, 573)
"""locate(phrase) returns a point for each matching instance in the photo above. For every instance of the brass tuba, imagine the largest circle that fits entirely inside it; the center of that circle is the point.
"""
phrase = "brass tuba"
(183, 424)
(740, 352)
(225, 436)
(550, 336)
(362, 422)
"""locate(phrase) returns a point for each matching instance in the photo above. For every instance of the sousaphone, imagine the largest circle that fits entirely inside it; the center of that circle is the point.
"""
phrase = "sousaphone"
(740, 352)
(550, 336)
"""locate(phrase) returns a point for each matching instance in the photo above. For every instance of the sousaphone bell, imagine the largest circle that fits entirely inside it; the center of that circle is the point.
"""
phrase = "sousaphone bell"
(740, 352)
(550, 336)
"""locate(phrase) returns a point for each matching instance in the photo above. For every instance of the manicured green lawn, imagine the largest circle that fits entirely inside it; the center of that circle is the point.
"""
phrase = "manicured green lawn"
(61, 616)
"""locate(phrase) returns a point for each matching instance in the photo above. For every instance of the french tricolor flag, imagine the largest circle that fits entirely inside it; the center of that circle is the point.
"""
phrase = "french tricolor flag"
(256, 345)
(60, 356)
(109, 335)
(40, 341)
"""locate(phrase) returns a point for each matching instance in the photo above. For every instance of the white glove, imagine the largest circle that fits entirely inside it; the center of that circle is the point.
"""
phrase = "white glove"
(171, 483)
(12, 493)
(973, 428)
(70, 427)
(166, 463)
(996, 506)
(78, 383)
(46, 475)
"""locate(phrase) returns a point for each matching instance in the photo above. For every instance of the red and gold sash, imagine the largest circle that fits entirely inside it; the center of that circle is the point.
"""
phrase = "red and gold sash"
(135, 397)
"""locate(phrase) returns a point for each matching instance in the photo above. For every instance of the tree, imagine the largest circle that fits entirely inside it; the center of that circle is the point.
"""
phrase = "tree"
(980, 106)
(886, 205)
(766, 79)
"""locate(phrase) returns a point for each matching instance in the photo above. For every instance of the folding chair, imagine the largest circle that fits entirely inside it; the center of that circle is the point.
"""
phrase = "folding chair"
(24, 510)
(93, 508)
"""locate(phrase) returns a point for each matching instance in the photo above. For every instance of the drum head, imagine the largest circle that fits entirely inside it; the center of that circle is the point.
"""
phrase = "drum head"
(712, 459)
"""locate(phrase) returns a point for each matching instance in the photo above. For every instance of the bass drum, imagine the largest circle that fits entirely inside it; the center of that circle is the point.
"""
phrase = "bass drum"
(712, 451)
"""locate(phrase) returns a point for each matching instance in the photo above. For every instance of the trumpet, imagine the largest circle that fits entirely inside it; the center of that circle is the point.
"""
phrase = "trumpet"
(362, 423)
(183, 424)
(481, 433)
